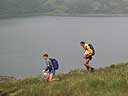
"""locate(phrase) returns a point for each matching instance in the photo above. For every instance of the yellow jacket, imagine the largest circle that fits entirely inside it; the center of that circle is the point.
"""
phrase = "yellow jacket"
(87, 48)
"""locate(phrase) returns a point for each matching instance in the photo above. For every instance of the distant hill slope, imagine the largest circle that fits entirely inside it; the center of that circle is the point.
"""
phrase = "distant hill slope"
(110, 81)
(10, 8)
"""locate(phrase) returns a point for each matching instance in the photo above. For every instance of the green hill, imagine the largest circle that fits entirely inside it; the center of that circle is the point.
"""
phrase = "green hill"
(109, 81)
(10, 8)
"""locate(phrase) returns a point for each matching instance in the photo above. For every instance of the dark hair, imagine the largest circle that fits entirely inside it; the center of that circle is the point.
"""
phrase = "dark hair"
(45, 55)
(82, 42)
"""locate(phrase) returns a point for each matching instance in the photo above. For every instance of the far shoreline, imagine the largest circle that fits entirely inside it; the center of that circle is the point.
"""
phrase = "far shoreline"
(64, 15)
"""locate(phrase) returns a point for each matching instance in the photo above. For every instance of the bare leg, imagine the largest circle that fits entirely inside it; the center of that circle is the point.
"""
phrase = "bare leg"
(47, 77)
(50, 77)
(87, 68)
(86, 63)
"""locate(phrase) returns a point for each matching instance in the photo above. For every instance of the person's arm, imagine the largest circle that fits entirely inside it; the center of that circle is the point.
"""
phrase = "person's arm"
(49, 65)
(85, 47)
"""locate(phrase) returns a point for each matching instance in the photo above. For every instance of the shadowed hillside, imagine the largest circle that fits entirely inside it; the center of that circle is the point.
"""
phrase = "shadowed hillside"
(109, 81)
(12, 8)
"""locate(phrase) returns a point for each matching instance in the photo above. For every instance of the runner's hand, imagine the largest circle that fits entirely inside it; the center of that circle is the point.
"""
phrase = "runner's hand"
(43, 71)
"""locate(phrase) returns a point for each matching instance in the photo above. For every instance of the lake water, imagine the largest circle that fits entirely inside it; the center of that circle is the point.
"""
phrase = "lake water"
(22, 40)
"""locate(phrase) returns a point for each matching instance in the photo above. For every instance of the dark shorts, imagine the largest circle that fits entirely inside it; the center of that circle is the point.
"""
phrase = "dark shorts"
(52, 71)
(90, 57)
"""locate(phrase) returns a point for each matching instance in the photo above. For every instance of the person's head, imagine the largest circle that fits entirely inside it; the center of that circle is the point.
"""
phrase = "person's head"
(45, 56)
(82, 43)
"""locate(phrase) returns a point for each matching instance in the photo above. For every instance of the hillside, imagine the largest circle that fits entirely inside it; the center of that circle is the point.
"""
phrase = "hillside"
(109, 81)
(6, 78)
(10, 8)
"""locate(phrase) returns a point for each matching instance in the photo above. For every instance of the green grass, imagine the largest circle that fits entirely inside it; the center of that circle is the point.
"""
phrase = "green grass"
(109, 81)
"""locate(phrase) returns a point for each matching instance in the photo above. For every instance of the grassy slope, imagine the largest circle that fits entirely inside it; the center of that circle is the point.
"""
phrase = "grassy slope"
(110, 81)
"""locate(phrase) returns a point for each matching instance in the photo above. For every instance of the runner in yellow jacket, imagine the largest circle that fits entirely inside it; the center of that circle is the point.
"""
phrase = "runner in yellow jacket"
(88, 52)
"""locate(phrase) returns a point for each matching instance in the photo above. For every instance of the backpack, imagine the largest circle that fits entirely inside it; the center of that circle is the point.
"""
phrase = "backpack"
(54, 63)
(93, 49)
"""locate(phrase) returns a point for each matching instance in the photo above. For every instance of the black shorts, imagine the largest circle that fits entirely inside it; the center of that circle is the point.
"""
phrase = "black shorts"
(90, 57)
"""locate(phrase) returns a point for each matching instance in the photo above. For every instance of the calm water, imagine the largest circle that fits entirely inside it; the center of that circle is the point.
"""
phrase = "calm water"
(22, 40)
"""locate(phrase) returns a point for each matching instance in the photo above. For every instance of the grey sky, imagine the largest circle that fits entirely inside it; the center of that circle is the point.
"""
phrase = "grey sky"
(23, 39)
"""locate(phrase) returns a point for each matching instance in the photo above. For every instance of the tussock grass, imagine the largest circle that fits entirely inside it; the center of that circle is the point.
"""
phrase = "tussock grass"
(109, 81)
